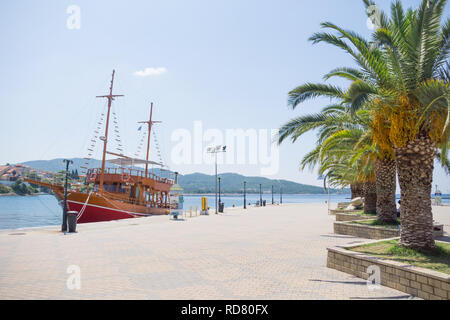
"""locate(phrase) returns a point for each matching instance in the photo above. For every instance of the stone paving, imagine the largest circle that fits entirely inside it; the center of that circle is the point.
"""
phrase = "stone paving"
(275, 252)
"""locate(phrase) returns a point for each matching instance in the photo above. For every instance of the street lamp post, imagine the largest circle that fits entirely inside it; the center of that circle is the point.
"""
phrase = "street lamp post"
(260, 195)
(326, 185)
(219, 195)
(272, 195)
(64, 222)
(245, 200)
(281, 194)
(216, 183)
(216, 150)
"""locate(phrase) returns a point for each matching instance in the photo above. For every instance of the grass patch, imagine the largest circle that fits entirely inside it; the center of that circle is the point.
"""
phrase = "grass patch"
(438, 259)
(378, 223)
(361, 213)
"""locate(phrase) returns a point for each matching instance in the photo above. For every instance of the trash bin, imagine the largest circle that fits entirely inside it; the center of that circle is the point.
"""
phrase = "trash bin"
(221, 205)
(72, 220)
(264, 203)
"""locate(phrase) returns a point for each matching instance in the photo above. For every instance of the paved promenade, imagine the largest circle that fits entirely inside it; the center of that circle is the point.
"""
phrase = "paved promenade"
(276, 252)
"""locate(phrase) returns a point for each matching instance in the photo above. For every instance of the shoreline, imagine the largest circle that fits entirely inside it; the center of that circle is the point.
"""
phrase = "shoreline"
(154, 217)
(163, 218)
(264, 193)
(228, 208)
(13, 194)
(144, 220)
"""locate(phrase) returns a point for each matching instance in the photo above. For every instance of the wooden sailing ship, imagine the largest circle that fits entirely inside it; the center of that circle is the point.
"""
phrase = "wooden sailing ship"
(121, 192)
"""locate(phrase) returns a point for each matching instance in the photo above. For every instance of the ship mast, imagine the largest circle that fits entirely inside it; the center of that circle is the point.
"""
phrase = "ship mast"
(149, 123)
(110, 98)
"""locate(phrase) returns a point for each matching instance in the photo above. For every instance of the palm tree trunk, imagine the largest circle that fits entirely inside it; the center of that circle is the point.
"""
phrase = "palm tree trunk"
(385, 171)
(356, 189)
(415, 164)
(370, 197)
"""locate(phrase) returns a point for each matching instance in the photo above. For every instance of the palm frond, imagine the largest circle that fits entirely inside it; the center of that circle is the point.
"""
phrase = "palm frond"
(359, 93)
(344, 72)
(300, 125)
(313, 90)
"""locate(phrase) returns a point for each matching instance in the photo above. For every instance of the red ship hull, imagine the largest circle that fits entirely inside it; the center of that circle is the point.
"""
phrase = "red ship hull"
(93, 213)
(94, 207)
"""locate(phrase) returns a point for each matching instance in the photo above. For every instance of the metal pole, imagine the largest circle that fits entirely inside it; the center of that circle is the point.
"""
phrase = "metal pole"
(148, 139)
(64, 222)
(260, 196)
(110, 98)
(219, 190)
(272, 195)
(245, 200)
(215, 150)
(328, 197)
(281, 194)
(216, 182)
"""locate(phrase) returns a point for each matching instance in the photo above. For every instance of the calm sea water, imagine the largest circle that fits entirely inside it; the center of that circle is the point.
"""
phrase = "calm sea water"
(44, 210)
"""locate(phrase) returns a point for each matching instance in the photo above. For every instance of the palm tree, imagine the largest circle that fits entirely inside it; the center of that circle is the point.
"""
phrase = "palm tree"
(339, 132)
(417, 48)
(345, 147)
(372, 78)
(384, 169)
(403, 77)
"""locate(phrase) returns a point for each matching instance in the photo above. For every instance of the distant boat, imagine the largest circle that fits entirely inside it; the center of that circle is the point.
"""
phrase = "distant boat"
(117, 193)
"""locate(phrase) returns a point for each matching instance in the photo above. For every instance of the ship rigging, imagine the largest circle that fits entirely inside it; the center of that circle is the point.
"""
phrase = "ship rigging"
(123, 191)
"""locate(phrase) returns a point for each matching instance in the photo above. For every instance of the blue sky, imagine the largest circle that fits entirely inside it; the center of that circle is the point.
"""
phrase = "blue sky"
(228, 63)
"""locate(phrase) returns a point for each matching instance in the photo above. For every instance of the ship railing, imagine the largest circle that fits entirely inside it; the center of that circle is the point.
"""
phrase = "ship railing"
(135, 201)
(131, 172)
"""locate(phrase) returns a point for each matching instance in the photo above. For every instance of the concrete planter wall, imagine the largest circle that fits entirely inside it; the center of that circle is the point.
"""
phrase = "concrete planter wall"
(361, 231)
(351, 217)
(419, 282)
(333, 212)
(343, 205)
(372, 232)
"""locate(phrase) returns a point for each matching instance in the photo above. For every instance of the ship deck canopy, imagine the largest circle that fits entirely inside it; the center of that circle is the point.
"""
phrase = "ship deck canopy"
(128, 161)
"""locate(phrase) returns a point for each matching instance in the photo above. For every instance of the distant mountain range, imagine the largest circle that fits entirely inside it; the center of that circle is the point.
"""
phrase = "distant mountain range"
(233, 183)
(56, 165)
(201, 183)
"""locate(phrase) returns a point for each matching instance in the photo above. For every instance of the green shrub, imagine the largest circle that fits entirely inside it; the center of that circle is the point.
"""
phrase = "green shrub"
(4, 189)
(20, 188)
